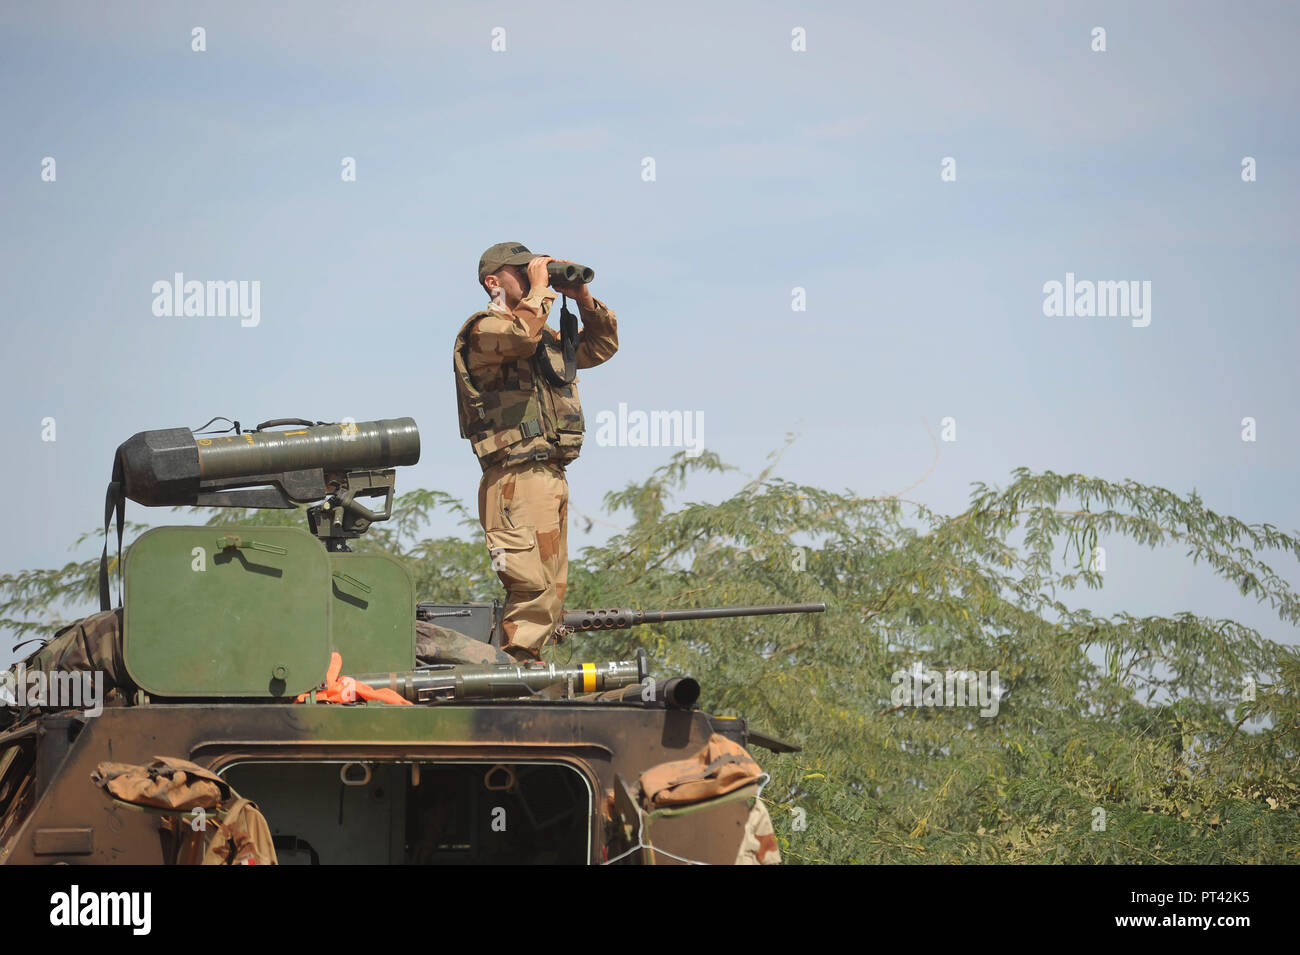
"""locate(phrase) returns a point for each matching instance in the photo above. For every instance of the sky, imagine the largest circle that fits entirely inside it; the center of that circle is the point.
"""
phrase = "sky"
(707, 160)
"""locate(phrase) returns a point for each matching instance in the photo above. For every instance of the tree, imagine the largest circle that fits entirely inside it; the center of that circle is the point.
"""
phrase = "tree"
(1115, 739)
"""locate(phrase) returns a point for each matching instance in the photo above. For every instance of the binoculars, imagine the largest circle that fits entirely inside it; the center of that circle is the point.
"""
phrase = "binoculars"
(567, 272)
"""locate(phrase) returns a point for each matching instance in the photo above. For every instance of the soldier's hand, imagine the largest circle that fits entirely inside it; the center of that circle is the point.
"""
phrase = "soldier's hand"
(537, 272)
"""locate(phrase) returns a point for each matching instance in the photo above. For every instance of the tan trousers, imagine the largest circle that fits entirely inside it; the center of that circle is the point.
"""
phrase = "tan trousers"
(524, 510)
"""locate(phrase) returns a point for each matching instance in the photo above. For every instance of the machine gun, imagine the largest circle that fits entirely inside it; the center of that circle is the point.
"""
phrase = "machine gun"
(482, 621)
(583, 620)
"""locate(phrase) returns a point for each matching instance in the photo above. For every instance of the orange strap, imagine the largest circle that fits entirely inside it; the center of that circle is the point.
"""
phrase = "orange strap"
(338, 689)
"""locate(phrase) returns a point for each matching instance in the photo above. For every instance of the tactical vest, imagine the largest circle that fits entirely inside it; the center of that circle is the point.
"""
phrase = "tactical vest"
(527, 418)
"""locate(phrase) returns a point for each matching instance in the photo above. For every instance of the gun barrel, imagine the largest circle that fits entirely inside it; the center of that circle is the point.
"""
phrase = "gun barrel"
(622, 619)
(676, 693)
(505, 681)
(170, 466)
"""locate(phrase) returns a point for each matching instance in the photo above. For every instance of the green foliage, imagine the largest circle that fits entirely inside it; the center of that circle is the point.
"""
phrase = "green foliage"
(1142, 718)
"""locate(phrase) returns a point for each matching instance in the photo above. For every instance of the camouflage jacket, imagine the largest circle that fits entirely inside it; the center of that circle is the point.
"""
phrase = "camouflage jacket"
(508, 409)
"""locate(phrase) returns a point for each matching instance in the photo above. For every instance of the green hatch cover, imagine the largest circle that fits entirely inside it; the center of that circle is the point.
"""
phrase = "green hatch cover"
(373, 617)
(237, 611)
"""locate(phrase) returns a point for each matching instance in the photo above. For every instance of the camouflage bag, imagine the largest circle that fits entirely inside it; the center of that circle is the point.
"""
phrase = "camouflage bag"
(207, 821)
(719, 768)
(238, 836)
(758, 846)
(166, 783)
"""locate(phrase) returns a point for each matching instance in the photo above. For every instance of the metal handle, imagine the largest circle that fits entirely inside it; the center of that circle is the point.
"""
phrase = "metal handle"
(349, 579)
(234, 540)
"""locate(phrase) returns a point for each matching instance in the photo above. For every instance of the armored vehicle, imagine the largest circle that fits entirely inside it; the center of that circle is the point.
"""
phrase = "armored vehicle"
(267, 694)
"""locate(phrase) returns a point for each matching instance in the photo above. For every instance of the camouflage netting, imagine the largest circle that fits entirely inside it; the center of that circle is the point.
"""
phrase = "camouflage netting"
(92, 644)
(435, 644)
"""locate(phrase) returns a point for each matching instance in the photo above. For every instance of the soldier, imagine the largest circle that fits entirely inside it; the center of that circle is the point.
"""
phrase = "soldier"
(525, 425)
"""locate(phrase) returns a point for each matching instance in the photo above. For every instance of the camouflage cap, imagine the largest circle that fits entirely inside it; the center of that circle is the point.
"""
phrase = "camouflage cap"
(503, 253)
